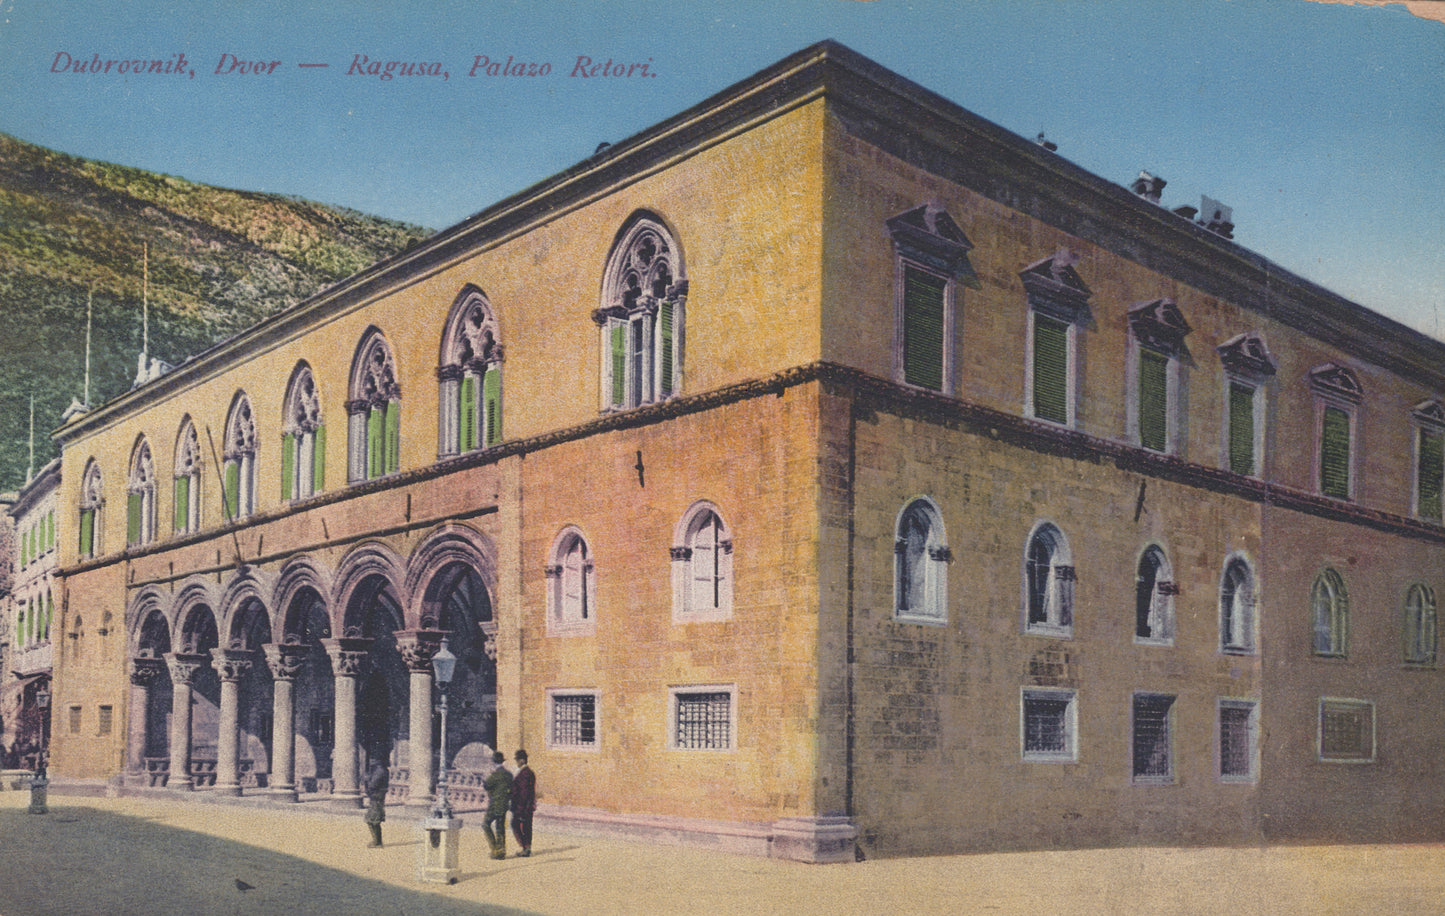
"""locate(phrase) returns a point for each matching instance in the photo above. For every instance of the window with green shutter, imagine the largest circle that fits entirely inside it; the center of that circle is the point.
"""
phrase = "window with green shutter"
(467, 414)
(375, 457)
(232, 495)
(1335, 453)
(1431, 473)
(392, 449)
(492, 404)
(1241, 428)
(288, 466)
(665, 317)
(318, 460)
(1153, 400)
(619, 363)
(87, 532)
(181, 516)
(923, 327)
(132, 517)
(1050, 369)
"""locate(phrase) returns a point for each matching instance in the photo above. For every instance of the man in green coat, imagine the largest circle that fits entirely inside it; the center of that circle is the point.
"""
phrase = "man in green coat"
(499, 799)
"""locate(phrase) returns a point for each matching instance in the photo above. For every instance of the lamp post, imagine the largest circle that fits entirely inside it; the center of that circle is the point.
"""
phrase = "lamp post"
(438, 856)
(39, 783)
(443, 665)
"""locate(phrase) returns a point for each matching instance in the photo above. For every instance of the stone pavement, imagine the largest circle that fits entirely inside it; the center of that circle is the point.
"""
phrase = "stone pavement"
(120, 856)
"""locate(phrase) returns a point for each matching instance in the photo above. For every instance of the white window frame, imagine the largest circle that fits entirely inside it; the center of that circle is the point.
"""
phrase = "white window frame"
(674, 700)
(1257, 419)
(1420, 626)
(1429, 417)
(1343, 703)
(563, 618)
(1161, 618)
(1338, 388)
(1071, 362)
(555, 694)
(1151, 779)
(1251, 631)
(947, 330)
(1133, 408)
(935, 559)
(1070, 753)
(1058, 590)
(1251, 736)
(686, 608)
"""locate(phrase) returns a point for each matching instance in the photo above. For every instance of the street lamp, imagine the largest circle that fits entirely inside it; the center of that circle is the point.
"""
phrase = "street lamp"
(443, 664)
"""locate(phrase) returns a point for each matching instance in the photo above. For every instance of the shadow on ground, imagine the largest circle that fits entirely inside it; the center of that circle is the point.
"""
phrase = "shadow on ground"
(82, 861)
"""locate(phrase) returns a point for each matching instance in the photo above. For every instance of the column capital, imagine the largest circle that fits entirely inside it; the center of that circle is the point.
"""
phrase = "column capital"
(348, 654)
(232, 664)
(184, 666)
(417, 648)
(146, 670)
(286, 660)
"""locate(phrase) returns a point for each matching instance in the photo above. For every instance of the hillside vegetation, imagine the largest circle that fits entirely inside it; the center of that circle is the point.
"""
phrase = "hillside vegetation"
(219, 260)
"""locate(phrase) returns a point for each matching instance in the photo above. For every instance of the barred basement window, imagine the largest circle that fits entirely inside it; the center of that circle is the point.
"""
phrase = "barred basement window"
(702, 718)
(1347, 730)
(573, 720)
(1429, 460)
(1238, 741)
(1420, 625)
(75, 720)
(103, 721)
(1049, 722)
(1153, 742)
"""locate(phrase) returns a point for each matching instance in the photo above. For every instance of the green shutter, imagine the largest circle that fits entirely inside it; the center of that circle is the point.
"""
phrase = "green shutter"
(87, 532)
(25, 549)
(467, 423)
(232, 496)
(288, 466)
(393, 436)
(49, 614)
(1241, 428)
(318, 461)
(181, 515)
(132, 518)
(1051, 367)
(665, 320)
(619, 363)
(374, 463)
(1335, 454)
(923, 295)
(492, 401)
(49, 529)
(1432, 470)
(1153, 400)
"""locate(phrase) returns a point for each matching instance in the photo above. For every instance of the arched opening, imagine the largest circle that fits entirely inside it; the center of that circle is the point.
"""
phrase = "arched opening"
(314, 714)
(198, 638)
(155, 736)
(382, 689)
(463, 608)
(250, 631)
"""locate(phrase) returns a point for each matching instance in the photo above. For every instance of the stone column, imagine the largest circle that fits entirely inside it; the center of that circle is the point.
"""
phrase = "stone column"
(417, 648)
(143, 673)
(183, 667)
(232, 665)
(347, 657)
(286, 662)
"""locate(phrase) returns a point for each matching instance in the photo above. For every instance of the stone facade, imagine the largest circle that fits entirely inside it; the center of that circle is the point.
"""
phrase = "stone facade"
(823, 472)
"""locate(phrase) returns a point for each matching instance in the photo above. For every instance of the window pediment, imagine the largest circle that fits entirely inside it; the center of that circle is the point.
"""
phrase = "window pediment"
(1055, 288)
(928, 235)
(1246, 355)
(1330, 380)
(1430, 413)
(1159, 325)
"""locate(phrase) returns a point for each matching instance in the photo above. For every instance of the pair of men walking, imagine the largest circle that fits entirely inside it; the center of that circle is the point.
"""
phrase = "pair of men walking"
(508, 792)
(504, 792)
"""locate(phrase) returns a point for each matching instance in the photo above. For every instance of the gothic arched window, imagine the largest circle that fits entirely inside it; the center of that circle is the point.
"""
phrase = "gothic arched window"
(644, 291)
(702, 566)
(1154, 592)
(140, 515)
(186, 493)
(920, 564)
(373, 411)
(1237, 607)
(91, 499)
(469, 377)
(1330, 607)
(571, 586)
(1048, 583)
(240, 460)
(303, 438)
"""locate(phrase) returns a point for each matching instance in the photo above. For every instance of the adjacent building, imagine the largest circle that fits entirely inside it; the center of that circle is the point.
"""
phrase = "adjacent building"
(823, 471)
(25, 679)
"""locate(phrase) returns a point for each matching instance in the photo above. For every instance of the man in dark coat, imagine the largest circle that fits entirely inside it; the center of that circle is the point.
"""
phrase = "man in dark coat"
(499, 799)
(524, 802)
(377, 781)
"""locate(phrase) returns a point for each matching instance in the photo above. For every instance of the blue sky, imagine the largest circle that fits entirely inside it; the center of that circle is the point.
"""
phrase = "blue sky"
(1323, 125)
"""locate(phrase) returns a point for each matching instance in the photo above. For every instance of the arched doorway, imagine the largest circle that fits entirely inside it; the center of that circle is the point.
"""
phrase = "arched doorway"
(463, 608)
(375, 615)
(250, 630)
(314, 715)
(198, 638)
(151, 680)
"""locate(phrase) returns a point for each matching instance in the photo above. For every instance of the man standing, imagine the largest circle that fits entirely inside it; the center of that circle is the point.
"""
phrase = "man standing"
(499, 797)
(524, 802)
(376, 785)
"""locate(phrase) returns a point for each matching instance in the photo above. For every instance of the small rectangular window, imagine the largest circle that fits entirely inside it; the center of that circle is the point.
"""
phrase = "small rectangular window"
(1335, 453)
(1241, 428)
(103, 721)
(1051, 369)
(1153, 743)
(1238, 749)
(1347, 730)
(75, 720)
(702, 719)
(573, 720)
(1049, 723)
(1430, 474)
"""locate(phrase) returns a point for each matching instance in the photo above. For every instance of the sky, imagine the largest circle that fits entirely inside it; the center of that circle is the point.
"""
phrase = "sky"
(1321, 124)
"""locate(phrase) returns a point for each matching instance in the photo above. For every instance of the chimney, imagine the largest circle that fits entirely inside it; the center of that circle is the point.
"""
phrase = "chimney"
(1216, 217)
(1148, 186)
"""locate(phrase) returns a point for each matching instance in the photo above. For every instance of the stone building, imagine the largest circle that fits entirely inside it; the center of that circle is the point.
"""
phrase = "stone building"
(25, 681)
(824, 470)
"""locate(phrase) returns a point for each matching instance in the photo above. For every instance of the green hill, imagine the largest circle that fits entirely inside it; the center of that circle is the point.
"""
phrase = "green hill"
(219, 260)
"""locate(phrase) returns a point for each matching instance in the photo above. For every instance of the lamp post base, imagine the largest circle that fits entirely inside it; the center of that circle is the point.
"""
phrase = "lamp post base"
(440, 843)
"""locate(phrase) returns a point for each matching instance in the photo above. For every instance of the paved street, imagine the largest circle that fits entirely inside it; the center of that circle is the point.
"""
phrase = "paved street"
(135, 856)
